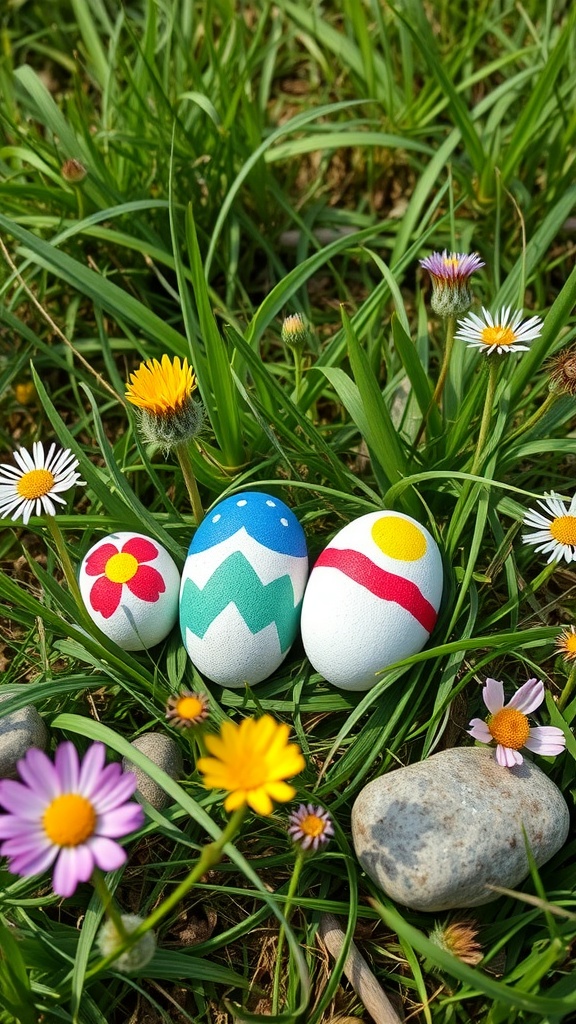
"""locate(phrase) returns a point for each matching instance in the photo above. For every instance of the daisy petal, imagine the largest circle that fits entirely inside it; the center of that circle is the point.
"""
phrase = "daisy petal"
(547, 740)
(493, 695)
(528, 697)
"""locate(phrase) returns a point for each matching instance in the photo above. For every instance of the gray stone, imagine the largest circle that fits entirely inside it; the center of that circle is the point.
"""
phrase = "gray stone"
(19, 731)
(165, 752)
(433, 835)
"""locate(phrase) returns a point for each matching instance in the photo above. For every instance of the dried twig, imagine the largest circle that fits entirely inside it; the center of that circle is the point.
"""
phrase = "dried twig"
(358, 973)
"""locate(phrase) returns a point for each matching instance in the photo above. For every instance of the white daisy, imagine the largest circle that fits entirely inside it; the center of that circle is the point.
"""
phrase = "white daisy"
(33, 484)
(554, 533)
(503, 332)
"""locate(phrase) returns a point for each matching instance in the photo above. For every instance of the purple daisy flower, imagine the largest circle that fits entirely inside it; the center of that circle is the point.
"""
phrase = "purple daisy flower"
(310, 827)
(449, 267)
(450, 272)
(509, 726)
(69, 813)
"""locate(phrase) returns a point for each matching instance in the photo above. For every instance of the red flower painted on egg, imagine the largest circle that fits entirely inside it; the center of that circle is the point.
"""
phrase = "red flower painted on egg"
(125, 567)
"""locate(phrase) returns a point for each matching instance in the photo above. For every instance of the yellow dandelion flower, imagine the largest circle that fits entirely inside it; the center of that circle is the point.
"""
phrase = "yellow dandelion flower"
(161, 388)
(162, 391)
(566, 643)
(251, 760)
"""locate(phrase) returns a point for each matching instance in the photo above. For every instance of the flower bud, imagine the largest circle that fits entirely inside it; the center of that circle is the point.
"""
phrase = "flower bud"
(138, 955)
(295, 331)
(73, 172)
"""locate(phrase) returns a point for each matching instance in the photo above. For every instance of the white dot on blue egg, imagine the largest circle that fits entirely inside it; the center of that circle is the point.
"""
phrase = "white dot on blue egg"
(216, 517)
(241, 503)
(284, 522)
(272, 504)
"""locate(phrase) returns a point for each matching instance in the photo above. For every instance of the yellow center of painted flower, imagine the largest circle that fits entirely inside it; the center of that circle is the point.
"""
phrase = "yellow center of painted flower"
(189, 707)
(563, 529)
(399, 538)
(69, 820)
(121, 568)
(35, 484)
(498, 336)
(509, 727)
(313, 826)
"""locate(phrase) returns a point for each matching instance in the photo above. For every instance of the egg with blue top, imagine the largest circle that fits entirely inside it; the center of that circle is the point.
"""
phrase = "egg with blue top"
(242, 589)
(372, 598)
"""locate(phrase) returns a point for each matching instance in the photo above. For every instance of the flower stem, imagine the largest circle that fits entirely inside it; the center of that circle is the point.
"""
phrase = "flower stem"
(281, 934)
(210, 856)
(448, 346)
(107, 900)
(493, 368)
(65, 561)
(568, 689)
(536, 416)
(297, 373)
(190, 481)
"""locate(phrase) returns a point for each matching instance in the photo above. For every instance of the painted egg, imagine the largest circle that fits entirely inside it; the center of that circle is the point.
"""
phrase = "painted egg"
(242, 589)
(372, 598)
(129, 584)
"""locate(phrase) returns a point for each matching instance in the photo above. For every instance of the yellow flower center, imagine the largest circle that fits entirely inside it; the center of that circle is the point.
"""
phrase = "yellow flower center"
(69, 820)
(509, 727)
(121, 568)
(451, 261)
(498, 336)
(189, 707)
(35, 484)
(313, 826)
(563, 529)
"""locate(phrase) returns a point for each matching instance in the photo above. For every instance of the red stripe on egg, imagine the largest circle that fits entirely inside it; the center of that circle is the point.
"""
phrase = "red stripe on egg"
(383, 584)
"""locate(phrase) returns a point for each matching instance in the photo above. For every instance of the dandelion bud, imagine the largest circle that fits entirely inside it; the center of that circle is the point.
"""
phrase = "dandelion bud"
(562, 370)
(73, 172)
(459, 939)
(138, 955)
(295, 331)
(451, 295)
(163, 392)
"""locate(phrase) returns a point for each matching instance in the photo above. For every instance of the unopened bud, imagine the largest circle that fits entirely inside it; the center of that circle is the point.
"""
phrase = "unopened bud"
(138, 955)
(73, 171)
(295, 331)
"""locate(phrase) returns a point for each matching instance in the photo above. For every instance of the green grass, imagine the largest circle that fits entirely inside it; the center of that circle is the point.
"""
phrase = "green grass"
(245, 162)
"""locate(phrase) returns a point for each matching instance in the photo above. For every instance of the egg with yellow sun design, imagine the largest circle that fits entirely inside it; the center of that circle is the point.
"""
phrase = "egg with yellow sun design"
(130, 585)
(372, 598)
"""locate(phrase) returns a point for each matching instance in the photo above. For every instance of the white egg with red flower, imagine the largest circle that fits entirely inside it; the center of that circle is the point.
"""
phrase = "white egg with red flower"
(372, 598)
(130, 585)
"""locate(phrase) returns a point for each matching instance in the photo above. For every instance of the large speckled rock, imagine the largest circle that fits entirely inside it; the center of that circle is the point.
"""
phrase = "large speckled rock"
(434, 834)
(19, 731)
(165, 752)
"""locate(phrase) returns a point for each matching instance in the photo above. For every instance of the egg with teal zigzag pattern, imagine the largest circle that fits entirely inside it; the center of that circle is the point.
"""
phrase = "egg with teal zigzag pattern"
(242, 589)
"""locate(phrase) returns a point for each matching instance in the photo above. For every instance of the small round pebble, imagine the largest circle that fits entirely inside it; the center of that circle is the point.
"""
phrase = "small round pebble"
(165, 752)
(433, 835)
(19, 731)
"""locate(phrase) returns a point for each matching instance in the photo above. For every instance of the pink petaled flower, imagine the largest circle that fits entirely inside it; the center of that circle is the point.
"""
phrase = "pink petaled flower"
(116, 568)
(450, 271)
(310, 827)
(509, 726)
(449, 267)
(68, 812)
